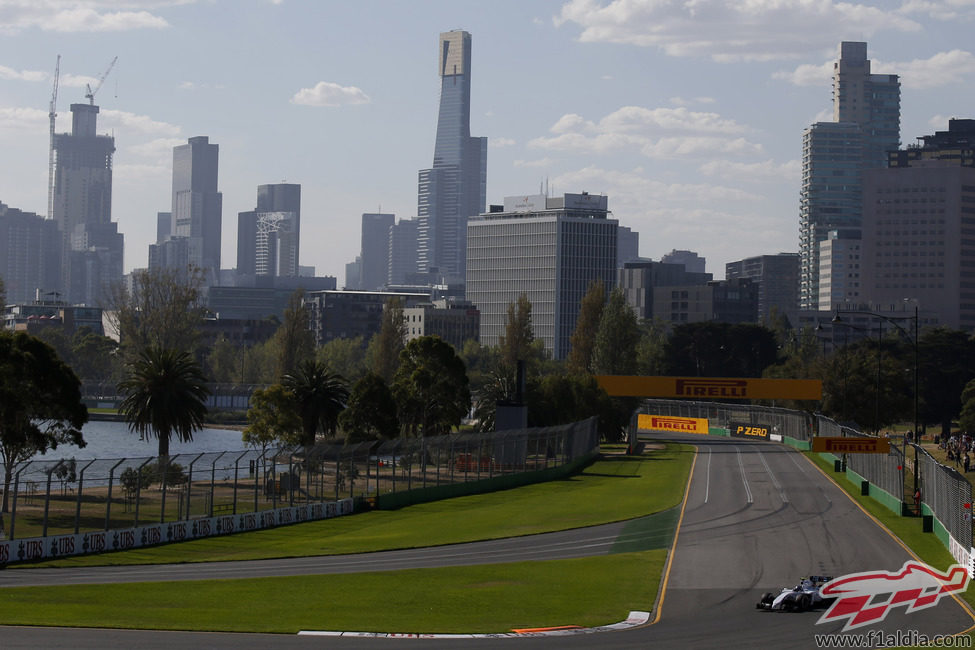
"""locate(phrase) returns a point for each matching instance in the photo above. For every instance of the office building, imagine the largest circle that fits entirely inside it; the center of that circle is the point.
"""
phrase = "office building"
(839, 268)
(268, 236)
(725, 301)
(777, 279)
(30, 258)
(455, 187)
(693, 263)
(91, 246)
(453, 321)
(402, 252)
(919, 228)
(638, 280)
(549, 249)
(350, 314)
(627, 246)
(197, 211)
(865, 126)
(374, 255)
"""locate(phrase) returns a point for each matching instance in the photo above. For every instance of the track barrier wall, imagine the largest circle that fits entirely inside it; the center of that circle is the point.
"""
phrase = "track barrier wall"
(71, 506)
(946, 496)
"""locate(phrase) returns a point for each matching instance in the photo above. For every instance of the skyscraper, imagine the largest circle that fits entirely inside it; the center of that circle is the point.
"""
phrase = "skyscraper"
(91, 246)
(865, 126)
(268, 236)
(197, 205)
(455, 187)
(374, 264)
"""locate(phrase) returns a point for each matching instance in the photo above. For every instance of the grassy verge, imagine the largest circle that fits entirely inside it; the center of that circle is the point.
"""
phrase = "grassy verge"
(494, 598)
(611, 489)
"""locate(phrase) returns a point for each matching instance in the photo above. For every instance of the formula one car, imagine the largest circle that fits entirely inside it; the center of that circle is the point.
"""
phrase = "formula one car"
(800, 598)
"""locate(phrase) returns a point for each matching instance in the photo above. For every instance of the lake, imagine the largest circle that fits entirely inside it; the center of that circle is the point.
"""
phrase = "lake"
(114, 440)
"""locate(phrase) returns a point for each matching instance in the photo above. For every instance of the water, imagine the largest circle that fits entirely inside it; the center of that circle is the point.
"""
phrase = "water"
(114, 440)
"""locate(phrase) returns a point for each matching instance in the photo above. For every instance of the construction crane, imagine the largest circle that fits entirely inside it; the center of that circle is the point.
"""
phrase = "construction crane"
(52, 113)
(91, 93)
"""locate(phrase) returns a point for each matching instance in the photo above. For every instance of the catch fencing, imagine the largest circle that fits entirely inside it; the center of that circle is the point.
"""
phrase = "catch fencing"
(945, 493)
(47, 498)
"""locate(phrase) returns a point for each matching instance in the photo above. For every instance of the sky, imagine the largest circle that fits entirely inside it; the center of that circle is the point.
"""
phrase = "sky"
(687, 114)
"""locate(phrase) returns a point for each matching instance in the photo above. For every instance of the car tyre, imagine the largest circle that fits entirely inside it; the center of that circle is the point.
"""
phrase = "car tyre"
(803, 602)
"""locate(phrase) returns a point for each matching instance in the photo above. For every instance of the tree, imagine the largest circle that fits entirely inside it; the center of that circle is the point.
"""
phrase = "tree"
(225, 362)
(966, 421)
(293, 341)
(587, 326)
(272, 416)
(614, 352)
(650, 349)
(371, 413)
(93, 354)
(344, 356)
(40, 403)
(320, 395)
(516, 342)
(947, 364)
(164, 310)
(165, 395)
(431, 388)
(713, 349)
(386, 346)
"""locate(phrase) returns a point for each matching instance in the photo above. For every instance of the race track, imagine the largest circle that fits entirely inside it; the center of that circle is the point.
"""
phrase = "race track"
(757, 516)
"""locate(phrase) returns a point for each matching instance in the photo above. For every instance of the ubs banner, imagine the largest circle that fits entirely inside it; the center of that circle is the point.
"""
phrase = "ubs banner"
(672, 423)
(741, 430)
(40, 548)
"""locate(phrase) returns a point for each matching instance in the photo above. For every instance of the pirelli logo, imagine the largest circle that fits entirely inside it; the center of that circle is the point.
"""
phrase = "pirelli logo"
(823, 444)
(735, 388)
(717, 388)
(671, 423)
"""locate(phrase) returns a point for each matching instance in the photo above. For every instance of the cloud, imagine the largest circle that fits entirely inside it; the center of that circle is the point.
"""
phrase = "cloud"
(21, 75)
(752, 172)
(501, 142)
(160, 149)
(752, 30)
(941, 69)
(656, 133)
(808, 74)
(541, 162)
(23, 119)
(77, 81)
(939, 9)
(81, 15)
(681, 101)
(138, 123)
(326, 93)
(141, 172)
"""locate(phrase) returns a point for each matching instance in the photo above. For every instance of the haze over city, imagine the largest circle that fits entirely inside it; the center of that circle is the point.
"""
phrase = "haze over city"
(689, 116)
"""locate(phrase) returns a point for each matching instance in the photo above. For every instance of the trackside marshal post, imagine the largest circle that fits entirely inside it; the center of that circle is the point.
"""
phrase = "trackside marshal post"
(851, 445)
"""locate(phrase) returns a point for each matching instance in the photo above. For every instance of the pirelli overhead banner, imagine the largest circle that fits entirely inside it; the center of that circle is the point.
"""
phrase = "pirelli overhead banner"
(710, 387)
(851, 445)
(671, 423)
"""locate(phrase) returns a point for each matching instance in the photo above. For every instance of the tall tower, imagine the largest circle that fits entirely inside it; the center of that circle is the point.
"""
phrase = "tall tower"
(91, 250)
(197, 205)
(865, 126)
(267, 238)
(455, 187)
(375, 250)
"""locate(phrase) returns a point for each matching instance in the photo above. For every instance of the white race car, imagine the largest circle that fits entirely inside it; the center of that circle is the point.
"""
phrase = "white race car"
(805, 595)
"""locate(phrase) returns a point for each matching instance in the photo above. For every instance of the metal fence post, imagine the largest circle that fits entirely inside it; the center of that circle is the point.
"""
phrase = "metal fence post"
(13, 514)
(47, 496)
(108, 502)
(77, 509)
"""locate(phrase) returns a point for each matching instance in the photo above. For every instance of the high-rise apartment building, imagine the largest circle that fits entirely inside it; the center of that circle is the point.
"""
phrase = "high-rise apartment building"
(549, 249)
(638, 280)
(865, 126)
(839, 268)
(777, 279)
(30, 258)
(374, 256)
(91, 246)
(268, 236)
(919, 228)
(197, 211)
(455, 187)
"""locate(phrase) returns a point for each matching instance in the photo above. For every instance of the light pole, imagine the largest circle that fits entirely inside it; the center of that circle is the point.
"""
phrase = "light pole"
(893, 321)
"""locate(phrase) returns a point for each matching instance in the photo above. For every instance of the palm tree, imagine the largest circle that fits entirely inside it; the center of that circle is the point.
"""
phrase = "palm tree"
(165, 394)
(321, 395)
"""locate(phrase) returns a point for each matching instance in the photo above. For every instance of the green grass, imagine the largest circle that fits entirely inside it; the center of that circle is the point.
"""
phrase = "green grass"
(611, 489)
(491, 598)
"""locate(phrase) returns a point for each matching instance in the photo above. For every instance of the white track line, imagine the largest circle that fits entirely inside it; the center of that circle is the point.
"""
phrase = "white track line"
(744, 480)
(775, 481)
(707, 484)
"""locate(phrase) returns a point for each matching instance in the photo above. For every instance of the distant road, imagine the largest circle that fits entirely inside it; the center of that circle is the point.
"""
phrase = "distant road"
(758, 516)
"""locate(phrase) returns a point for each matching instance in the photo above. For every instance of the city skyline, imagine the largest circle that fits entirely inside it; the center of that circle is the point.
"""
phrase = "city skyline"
(694, 133)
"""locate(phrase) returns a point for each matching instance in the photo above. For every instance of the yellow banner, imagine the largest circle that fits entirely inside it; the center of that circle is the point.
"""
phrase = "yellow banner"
(851, 445)
(671, 423)
(711, 387)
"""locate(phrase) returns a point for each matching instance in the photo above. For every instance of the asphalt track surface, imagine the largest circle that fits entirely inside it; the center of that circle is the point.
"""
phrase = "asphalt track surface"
(756, 517)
